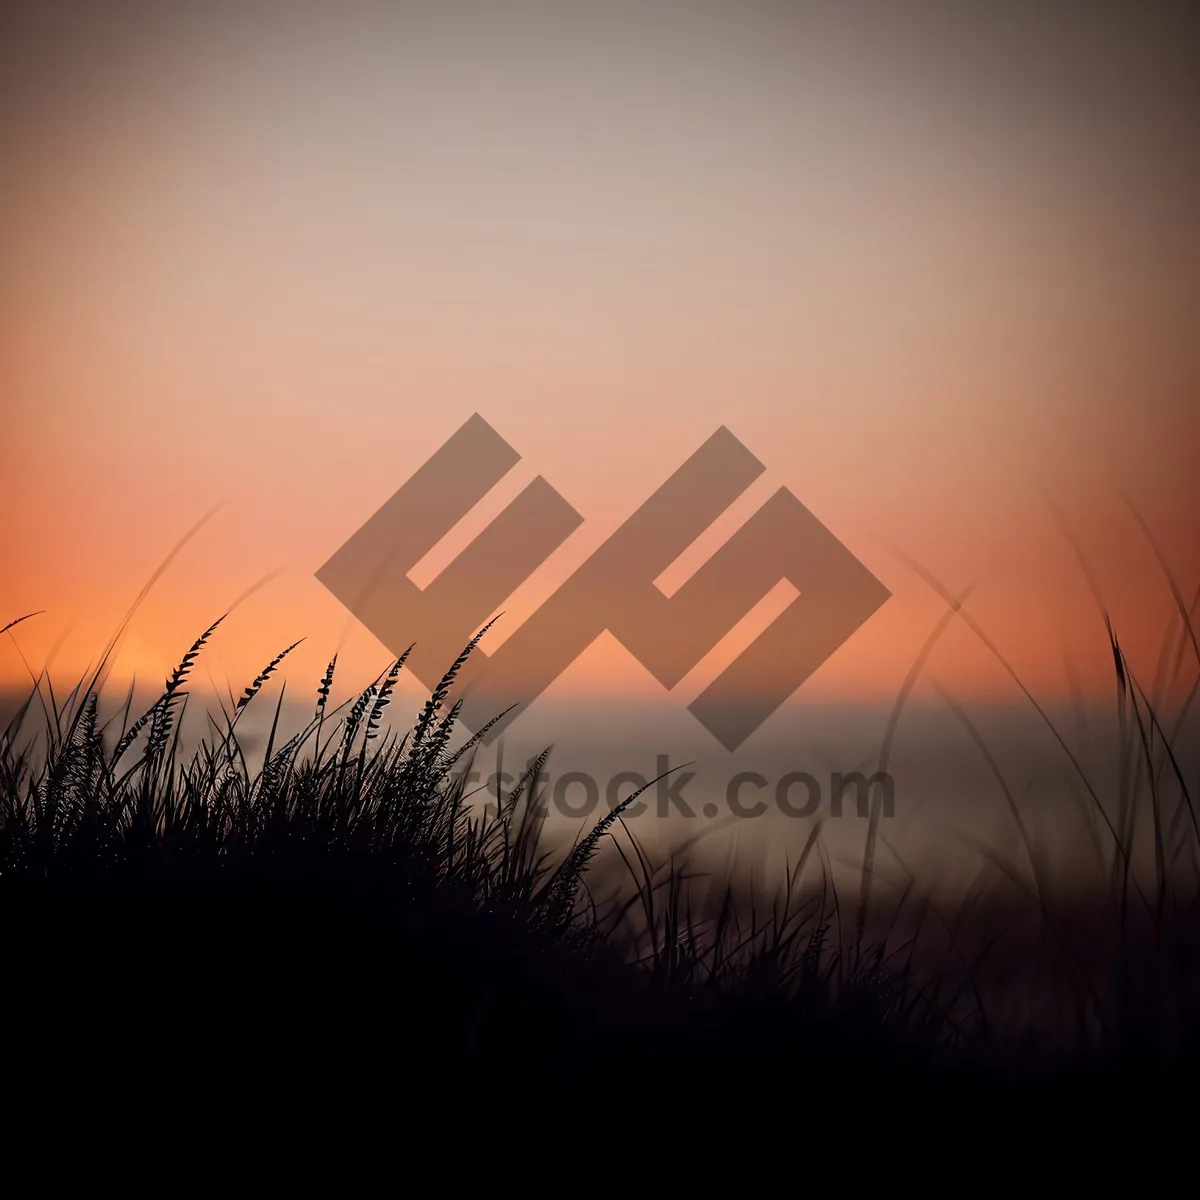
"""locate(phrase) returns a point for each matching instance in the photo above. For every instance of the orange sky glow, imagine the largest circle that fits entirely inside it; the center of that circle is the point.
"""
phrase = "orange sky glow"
(276, 273)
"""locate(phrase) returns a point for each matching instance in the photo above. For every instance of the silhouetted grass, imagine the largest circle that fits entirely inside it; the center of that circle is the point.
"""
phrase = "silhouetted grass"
(334, 958)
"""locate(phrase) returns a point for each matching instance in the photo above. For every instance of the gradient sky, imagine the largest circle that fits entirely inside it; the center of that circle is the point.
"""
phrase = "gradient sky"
(922, 261)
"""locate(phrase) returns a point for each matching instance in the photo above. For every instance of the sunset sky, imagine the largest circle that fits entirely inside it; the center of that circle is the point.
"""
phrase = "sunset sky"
(922, 262)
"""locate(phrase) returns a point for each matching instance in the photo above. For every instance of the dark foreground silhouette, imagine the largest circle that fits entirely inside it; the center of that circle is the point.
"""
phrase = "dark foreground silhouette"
(335, 974)
(260, 1030)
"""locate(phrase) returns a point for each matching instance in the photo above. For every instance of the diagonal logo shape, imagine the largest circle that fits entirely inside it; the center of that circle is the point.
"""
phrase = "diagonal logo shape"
(613, 589)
